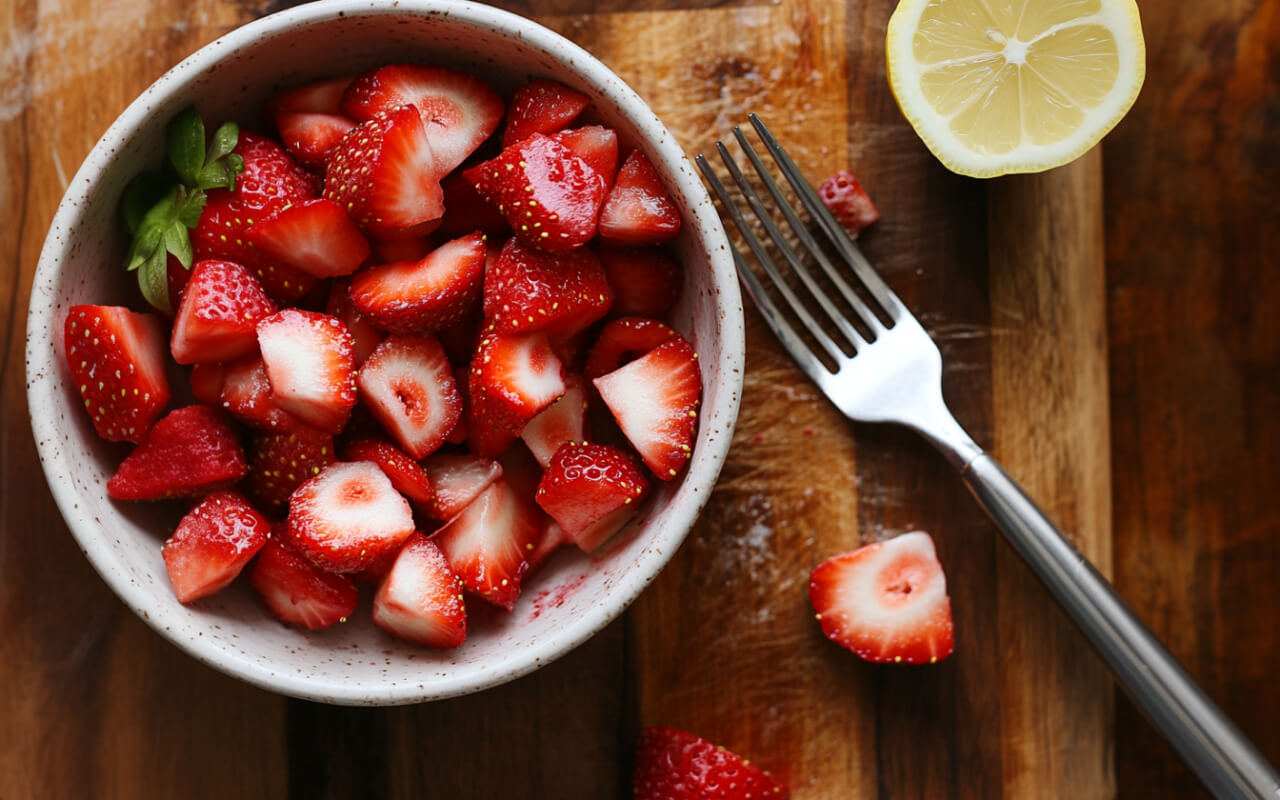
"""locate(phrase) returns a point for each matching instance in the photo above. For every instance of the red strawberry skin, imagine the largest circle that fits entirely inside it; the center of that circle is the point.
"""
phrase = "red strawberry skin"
(190, 452)
(246, 393)
(212, 543)
(281, 461)
(219, 314)
(512, 379)
(299, 593)
(430, 294)
(466, 211)
(117, 360)
(528, 290)
(542, 106)
(310, 137)
(348, 518)
(596, 145)
(646, 281)
(312, 236)
(310, 361)
(406, 475)
(672, 764)
(420, 599)
(639, 210)
(365, 335)
(409, 386)
(591, 490)
(628, 336)
(206, 383)
(844, 196)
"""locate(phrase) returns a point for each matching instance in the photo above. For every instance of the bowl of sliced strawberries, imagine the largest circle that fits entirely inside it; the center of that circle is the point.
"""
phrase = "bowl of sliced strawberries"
(384, 353)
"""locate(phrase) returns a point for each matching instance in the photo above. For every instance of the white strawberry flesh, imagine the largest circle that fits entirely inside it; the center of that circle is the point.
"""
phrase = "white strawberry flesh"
(408, 385)
(310, 362)
(420, 599)
(488, 543)
(348, 517)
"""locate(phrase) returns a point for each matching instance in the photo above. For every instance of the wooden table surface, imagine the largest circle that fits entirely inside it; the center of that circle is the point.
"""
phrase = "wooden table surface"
(1109, 330)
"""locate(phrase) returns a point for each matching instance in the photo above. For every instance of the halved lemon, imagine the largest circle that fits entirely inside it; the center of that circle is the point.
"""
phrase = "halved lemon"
(1000, 86)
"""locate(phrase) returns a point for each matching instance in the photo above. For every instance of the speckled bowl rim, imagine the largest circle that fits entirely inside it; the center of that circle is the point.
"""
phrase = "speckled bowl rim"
(691, 497)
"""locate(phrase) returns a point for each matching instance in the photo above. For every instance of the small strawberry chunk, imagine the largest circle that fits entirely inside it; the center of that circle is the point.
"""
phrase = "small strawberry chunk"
(844, 196)
(672, 764)
(528, 290)
(206, 382)
(212, 543)
(459, 433)
(190, 452)
(639, 210)
(541, 106)
(408, 385)
(405, 474)
(591, 490)
(458, 479)
(219, 314)
(553, 538)
(886, 601)
(411, 248)
(646, 281)
(312, 236)
(623, 338)
(117, 360)
(466, 211)
(487, 543)
(281, 461)
(365, 336)
(431, 294)
(420, 600)
(310, 362)
(246, 393)
(321, 97)
(565, 420)
(348, 517)
(297, 592)
(310, 137)
(512, 379)
(596, 145)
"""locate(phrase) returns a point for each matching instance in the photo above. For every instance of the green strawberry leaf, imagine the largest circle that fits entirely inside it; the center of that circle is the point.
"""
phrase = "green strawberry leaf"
(224, 141)
(186, 144)
(143, 192)
(177, 240)
(153, 280)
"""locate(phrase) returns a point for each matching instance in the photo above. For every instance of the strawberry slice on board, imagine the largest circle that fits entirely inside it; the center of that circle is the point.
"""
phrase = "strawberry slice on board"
(625, 338)
(466, 211)
(672, 764)
(646, 281)
(591, 490)
(190, 452)
(212, 544)
(408, 385)
(845, 198)
(299, 593)
(529, 290)
(310, 362)
(458, 479)
(420, 599)
(550, 197)
(887, 601)
(312, 236)
(487, 543)
(246, 393)
(655, 401)
(565, 420)
(219, 313)
(638, 210)
(596, 145)
(365, 335)
(281, 461)
(405, 474)
(431, 294)
(541, 106)
(459, 111)
(117, 359)
(512, 379)
(348, 517)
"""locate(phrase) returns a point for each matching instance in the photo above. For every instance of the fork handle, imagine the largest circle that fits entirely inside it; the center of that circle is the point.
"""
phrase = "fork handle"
(1225, 761)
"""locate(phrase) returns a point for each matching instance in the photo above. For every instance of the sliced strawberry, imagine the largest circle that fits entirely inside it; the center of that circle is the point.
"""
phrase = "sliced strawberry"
(528, 290)
(512, 379)
(408, 385)
(299, 593)
(460, 339)
(459, 111)
(280, 461)
(623, 339)
(591, 490)
(427, 295)
(310, 137)
(310, 363)
(541, 106)
(415, 248)
(844, 196)
(365, 336)
(212, 543)
(206, 382)
(117, 360)
(246, 393)
(672, 764)
(190, 452)
(383, 174)
(466, 211)
(420, 600)
(219, 314)
(348, 517)
(638, 210)
(655, 401)
(521, 471)
(405, 474)
(458, 479)
(570, 349)
(488, 542)
(646, 281)
(553, 538)
(886, 601)
(459, 433)
(596, 145)
(312, 236)
(565, 420)
(550, 197)
(321, 97)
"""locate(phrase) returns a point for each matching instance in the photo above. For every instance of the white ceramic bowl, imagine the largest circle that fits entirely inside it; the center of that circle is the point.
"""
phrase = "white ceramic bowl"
(565, 603)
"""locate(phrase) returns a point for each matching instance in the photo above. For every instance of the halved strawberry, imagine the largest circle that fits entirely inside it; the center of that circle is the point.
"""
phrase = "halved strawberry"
(886, 601)
(638, 210)
(596, 145)
(623, 338)
(206, 382)
(844, 196)
(565, 420)
(655, 401)
(405, 474)
(592, 490)
(311, 136)
(541, 106)
(299, 593)
(348, 517)
(528, 290)
(310, 363)
(550, 197)
(219, 314)
(459, 111)
(191, 452)
(383, 174)
(281, 461)
(212, 543)
(488, 542)
(313, 236)
(246, 393)
(458, 479)
(427, 295)
(408, 385)
(512, 379)
(117, 359)
(672, 764)
(466, 211)
(646, 281)
(420, 600)
(364, 335)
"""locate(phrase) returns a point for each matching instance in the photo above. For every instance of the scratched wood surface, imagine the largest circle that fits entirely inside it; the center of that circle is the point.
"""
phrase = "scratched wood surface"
(1108, 330)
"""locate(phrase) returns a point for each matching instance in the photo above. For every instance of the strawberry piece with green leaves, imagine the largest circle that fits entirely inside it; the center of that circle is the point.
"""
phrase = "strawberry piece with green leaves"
(409, 386)
(420, 599)
(565, 420)
(218, 317)
(212, 544)
(512, 379)
(310, 363)
(672, 764)
(364, 334)
(281, 461)
(624, 338)
(458, 479)
(529, 290)
(405, 474)
(655, 402)
(541, 106)
(430, 294)
(887, 601)
(312, 236)
(117, 361)
(487, 544)
(844, 196)
(297, 592)
(646, 281)
(190, 452)
(596, 145)
(348, 517)
(591, 490)
(638, 210)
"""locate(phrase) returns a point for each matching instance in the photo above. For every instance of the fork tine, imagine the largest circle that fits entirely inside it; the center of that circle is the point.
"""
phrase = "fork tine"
(848, 250)
(765, 261)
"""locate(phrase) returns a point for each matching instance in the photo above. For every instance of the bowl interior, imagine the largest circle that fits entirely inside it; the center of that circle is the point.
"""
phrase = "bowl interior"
(571, 596)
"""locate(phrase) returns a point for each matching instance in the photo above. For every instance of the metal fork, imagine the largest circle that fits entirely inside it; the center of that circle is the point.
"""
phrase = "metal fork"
(895, 375)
